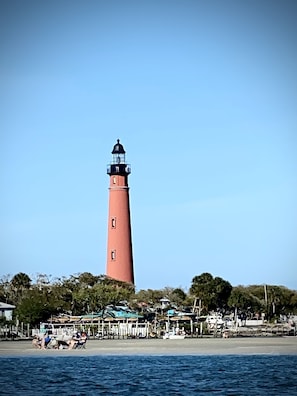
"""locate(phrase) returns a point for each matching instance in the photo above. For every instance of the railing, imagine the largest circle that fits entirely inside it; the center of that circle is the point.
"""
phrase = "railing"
(11, 332)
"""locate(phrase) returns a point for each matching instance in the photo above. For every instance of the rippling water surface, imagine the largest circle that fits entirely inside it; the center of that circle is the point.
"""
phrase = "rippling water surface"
(149, 375)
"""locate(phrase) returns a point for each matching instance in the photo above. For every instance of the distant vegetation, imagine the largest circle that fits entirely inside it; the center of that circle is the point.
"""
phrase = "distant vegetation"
(38, 300)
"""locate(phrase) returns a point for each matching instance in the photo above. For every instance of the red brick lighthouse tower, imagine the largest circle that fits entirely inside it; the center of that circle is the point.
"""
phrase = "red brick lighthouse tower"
(119, 242)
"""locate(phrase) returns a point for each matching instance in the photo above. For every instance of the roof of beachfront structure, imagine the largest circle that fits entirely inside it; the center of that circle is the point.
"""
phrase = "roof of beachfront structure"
(4, 306)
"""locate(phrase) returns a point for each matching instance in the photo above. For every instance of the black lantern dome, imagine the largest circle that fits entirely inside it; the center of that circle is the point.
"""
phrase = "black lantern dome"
(118, 165)
(118, 148)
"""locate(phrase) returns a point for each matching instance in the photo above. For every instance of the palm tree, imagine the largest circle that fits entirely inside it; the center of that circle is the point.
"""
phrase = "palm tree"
(20, 282)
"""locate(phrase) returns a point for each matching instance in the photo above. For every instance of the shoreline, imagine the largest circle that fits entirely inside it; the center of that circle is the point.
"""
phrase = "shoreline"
(286, 345)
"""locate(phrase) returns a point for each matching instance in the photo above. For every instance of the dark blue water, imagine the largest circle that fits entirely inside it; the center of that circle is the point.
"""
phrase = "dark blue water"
(149, 375)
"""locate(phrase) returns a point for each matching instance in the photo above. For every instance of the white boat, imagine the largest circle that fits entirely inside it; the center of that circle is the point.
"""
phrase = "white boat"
(171, 335)
(214, 321)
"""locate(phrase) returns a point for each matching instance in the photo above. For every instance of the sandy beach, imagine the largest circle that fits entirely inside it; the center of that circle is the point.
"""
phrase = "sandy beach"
(189, 346)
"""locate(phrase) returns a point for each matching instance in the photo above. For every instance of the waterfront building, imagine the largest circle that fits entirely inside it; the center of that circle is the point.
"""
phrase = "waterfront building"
(6, 310)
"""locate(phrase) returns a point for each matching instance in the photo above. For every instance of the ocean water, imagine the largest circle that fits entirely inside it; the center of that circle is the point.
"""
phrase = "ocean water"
(149, 375)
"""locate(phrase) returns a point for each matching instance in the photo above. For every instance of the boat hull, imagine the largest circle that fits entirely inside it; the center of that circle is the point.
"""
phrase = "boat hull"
(174, 337)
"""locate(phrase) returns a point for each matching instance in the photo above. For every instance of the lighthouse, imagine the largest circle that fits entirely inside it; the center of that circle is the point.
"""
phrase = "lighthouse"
(119, 241)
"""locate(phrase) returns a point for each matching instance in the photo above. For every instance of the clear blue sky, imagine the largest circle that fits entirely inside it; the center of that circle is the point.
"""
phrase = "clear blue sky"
(202, 94)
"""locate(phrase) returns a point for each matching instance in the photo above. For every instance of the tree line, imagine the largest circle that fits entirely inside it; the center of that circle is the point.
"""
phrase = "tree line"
(36, 301)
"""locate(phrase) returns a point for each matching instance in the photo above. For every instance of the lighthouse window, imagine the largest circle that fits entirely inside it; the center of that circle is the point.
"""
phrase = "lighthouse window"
(114, 180)
(113, 254)
(113, 222)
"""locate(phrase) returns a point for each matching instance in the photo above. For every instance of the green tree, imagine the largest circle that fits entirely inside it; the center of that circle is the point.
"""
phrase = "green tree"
(5, 289)
(222, 290)
(106, 292)
(68, 288)
(292, 304)
(19, 284)
(149, 296)
(242, 299)
(178, 297)
(202, 289)
(279, 301)
(87, 279)
(37, 306)
(213, 292)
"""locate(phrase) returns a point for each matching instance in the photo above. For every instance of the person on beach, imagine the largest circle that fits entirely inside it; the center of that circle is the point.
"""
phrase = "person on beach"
(45, 341)
(36, 342)
(41, 342)
(78, 340)
(74, 340)
(82, 341)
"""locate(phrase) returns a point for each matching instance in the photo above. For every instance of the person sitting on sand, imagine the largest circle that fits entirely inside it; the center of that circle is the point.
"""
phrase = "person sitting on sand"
(74, 340)
(45, 341)
(41, 342)
(36, 342)
(82, 341)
